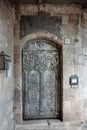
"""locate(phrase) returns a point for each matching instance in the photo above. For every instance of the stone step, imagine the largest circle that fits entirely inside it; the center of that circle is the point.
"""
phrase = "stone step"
(50, 125)
(41, 125)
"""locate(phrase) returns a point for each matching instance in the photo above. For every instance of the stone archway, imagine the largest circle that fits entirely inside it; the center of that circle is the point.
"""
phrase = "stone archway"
(39, 35)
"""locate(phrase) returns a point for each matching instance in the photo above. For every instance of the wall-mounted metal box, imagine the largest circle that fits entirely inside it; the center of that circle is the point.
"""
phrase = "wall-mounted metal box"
(73, 80)
(4, 61)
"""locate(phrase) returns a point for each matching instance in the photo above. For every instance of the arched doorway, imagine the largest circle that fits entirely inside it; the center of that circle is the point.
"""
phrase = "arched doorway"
(41, 80)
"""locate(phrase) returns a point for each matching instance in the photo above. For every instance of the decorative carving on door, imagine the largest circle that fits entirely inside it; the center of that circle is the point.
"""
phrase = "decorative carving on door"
(41, 85)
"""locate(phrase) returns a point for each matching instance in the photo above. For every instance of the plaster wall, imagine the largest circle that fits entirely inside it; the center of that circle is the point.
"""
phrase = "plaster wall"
(6, 82)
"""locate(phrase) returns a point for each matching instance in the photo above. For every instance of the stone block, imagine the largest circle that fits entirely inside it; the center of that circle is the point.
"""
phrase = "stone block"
(16, 59)
(75, 106)
(17, 95)
(79, 70)
(68, 56)
(66, 94)
(17, 49)
(72, 116)
(66, 106)
(73, 94)
(65, 20)
(18, 83)
(17, 71)
(73, 19)
(17, 107)
(18, 118)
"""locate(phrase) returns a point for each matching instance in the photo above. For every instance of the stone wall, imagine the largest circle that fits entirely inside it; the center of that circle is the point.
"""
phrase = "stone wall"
(84, 46)
(6, 82)
(72, 65)
(73, 59)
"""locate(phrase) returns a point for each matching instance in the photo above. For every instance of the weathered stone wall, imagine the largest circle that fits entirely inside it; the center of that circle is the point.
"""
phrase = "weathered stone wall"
(84, 46)
(73, 58)
(72, 65)
(6, 83)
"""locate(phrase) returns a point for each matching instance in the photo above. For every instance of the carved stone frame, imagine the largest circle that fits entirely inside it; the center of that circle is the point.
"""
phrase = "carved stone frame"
(18, 44)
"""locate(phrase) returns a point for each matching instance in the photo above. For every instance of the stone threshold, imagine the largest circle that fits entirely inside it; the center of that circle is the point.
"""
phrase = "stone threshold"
(40, 124)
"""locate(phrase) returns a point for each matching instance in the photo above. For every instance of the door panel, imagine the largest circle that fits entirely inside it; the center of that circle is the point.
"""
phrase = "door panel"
(41, 96)
(33, 93)
(49, 94)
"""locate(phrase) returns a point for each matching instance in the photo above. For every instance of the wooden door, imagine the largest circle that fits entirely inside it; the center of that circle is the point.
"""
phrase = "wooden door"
(41, 84)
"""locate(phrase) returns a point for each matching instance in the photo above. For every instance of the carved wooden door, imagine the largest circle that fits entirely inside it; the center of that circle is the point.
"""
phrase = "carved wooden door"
(41, 87)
